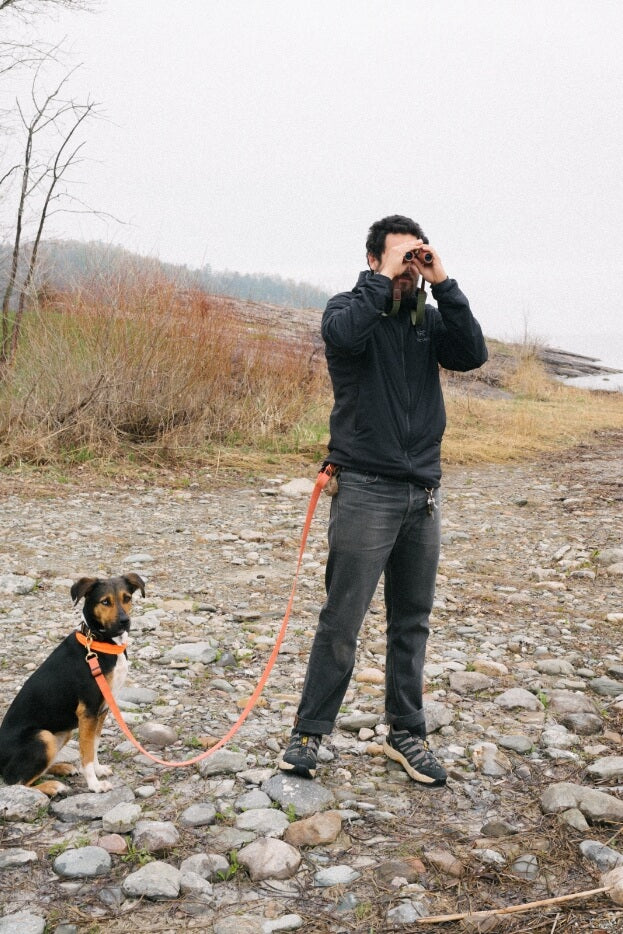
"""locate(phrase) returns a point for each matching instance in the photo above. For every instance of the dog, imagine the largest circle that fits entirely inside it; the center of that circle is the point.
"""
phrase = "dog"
(62, 694)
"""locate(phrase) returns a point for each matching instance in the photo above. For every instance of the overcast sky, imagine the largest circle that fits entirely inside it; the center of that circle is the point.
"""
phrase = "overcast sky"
(267, 137)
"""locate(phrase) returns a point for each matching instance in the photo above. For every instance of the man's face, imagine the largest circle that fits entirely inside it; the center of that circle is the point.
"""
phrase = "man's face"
(406, 280)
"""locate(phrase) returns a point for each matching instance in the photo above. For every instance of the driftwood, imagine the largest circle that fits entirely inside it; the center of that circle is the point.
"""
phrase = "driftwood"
(511, 909)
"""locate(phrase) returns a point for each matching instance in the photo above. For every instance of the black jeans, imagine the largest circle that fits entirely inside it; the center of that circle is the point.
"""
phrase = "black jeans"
(377, 525)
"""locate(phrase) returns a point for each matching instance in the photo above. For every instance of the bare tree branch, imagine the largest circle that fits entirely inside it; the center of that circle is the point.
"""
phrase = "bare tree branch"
(50, 112)
(27, 8)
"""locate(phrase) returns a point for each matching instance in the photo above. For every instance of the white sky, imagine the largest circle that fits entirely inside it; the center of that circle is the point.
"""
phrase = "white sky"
(267, 135)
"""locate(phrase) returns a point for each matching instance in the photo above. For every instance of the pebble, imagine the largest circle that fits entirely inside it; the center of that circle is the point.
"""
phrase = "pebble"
(155, 836)
(13, 857)
(269, 822)
(267, 858)
(321, 828)
(155, 880)
(595, 805)
(518, 698)
(121, 819)
(606, 768)
(336, 875)
(90, 806)
(526, 866)
(210, 866)
(303, 796)
(84, 863)
(604, 857)
(22, 922)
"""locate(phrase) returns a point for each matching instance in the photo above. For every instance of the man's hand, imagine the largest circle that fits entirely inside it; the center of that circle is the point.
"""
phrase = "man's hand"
(392, 263)
(432, 272)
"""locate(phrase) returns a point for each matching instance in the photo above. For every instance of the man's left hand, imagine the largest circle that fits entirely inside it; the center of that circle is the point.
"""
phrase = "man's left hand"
(432, 272)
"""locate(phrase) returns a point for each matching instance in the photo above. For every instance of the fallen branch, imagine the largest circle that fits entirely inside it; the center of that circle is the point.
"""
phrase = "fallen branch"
(511, 909)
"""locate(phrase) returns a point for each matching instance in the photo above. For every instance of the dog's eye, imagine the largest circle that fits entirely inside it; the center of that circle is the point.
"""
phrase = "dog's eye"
(127, 598)
(106, 601)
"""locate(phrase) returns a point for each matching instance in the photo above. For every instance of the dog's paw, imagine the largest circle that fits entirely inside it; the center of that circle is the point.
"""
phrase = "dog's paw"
(101, 770)
(99, 787)
(51, 788)
(63, 768)
(93, 782)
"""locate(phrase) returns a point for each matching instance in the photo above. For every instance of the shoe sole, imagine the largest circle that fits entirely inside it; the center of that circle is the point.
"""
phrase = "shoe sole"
(297, 769)
(397, 756)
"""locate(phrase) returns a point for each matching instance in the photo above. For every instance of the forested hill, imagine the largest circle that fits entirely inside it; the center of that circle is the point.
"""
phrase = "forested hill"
(66, 264)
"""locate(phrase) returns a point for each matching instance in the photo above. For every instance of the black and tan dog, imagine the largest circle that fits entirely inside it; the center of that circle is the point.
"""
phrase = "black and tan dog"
(62, 694)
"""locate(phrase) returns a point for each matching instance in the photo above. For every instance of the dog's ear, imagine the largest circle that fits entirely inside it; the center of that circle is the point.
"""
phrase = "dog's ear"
(135, 583)
(82, 587)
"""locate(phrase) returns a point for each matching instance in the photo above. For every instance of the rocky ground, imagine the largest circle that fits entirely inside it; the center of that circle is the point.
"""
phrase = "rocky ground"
(525, 705)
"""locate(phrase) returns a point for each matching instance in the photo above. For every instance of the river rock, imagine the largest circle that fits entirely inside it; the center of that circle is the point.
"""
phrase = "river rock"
(355, 721)
(22, 922)
(437, 715)
(518, 698)
(122, 818)
(554, 666)
(570, 702)
(316, 830)
(490, 760)
(607, 687)
(16, 584)
(223, 762)
(468, 682)
(595, 805)
(305, 797)
(18, 803)
(603, 857)
(268, 822)
(191, 883)
(155, 880)
(336, 875)
(90, 805)
(191, 652)
(210, 866)
(13, 857)
(155, 836)
(84, 863)
(267, 858)
(156, 734)
(606, 768)
(201, 814)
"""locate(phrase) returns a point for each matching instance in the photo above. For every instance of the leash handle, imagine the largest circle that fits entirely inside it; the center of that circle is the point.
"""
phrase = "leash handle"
(321, 481)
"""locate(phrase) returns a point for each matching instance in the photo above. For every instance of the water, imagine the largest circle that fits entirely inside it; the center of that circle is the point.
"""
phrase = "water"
(605, 346)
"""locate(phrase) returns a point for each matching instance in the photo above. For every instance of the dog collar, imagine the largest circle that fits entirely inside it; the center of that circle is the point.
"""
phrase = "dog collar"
(107, 647)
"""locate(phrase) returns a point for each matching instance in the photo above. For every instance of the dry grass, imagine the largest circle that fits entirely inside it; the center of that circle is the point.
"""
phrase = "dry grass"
(136, 371)
(141, 370)
(542, 416)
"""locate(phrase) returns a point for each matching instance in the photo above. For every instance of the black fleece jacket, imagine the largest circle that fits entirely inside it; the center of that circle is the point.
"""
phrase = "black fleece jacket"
(389, 416)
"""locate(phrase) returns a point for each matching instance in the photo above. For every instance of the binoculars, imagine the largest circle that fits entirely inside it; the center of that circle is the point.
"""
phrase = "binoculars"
(424, 258)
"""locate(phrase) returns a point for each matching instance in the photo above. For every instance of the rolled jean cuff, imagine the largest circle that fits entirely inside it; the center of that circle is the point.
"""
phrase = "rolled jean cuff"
(414, 722)
(313, 727)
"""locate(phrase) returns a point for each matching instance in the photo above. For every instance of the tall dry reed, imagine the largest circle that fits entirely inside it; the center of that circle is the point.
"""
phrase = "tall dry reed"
(137, 365)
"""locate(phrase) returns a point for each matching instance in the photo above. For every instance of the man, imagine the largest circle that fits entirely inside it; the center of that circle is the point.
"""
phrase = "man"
(384, 348)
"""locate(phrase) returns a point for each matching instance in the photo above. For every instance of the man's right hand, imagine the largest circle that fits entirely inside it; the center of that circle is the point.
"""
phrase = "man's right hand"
(392, 262)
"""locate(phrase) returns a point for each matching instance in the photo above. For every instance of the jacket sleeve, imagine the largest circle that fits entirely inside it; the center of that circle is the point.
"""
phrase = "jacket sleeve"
(459, 340)
(351, 317)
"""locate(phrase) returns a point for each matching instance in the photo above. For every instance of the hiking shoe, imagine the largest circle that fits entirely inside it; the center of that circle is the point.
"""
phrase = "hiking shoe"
(301, 755)
(415, 756)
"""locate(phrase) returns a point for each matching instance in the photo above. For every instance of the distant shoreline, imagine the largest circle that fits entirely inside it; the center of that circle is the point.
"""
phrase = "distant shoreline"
(568, 365)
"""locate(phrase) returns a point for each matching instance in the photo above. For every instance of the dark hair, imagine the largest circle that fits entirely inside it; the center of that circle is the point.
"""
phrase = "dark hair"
(395, 223)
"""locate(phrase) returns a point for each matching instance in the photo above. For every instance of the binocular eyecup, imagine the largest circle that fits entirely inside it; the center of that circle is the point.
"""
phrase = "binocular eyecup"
(423, 257)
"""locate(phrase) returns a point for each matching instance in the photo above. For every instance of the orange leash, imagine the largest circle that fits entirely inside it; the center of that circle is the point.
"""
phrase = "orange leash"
(321, 481)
